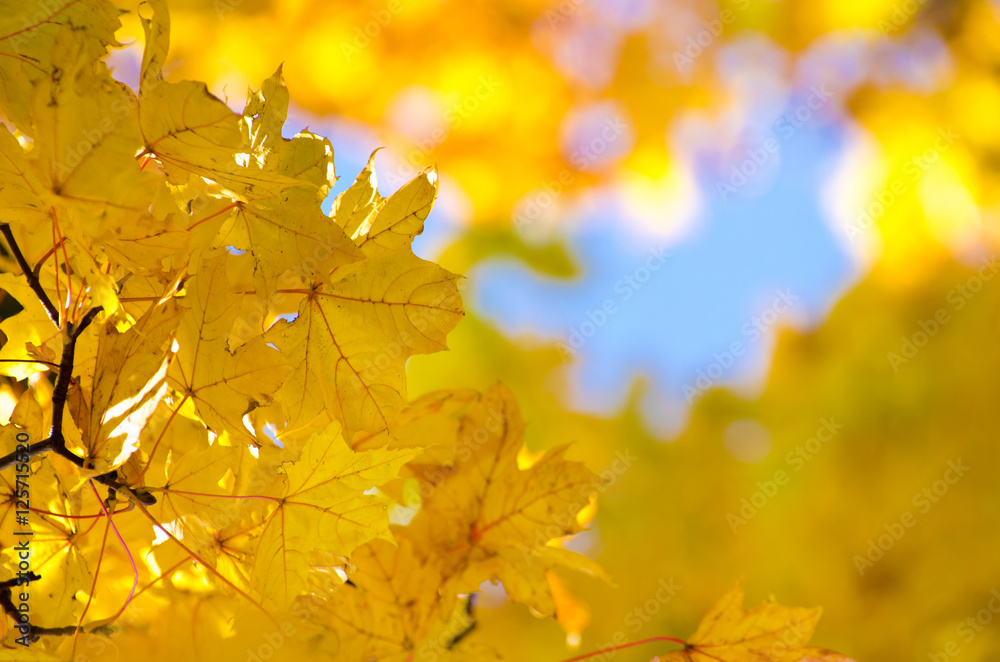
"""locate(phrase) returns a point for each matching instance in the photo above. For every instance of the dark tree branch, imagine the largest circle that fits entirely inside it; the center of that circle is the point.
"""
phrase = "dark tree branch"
(7, 602)
(59, 396)
(29, 273)
(56, 441)
(49, 253)
(85, 322)
(470, 606)
(61, 391)
(10, 459)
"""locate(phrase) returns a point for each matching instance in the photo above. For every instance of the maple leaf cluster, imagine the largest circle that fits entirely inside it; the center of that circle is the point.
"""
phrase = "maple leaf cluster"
(209, 373)
(230, 361)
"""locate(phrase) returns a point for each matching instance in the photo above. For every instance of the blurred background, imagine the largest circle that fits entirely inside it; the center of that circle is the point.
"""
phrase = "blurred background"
(706, 243)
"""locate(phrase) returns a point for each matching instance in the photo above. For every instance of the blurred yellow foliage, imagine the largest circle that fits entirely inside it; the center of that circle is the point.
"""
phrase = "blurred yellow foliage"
(863, 416)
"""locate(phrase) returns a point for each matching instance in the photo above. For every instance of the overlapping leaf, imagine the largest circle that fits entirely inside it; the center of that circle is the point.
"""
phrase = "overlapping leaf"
(128, 384)
(490, 519)
(352, 336)
(28, 31)
(225, 385)
(85, 138)
(55, 551)
(768, 632)
(30, 334)
(325, 507)
(376, 224)
(392, 609)
(290, 231)
(189, 130)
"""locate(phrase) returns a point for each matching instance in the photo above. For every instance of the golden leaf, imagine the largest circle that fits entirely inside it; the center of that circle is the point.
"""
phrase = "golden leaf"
(768, 632)
(325, 507)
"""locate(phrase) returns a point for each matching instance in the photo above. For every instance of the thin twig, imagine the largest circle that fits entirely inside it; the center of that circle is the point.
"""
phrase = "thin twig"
(10, 459)
(61, 391)
(672, 640)
(29, 273)
(56, 441)
(7, 602)
(48, 363)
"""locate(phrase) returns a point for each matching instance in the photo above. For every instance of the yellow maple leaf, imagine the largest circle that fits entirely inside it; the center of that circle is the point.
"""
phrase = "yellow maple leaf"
(85, 138)
(768, 632)
(352, 337)
(128, 383)
(290, 231)
(391, 608)
(389, 605)
(21, 194)
(224, 385)
(27, 32)
(377, 224)
(189, 130)
(32, 327)
(192, 501)
(491, 520)
(325, 507)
